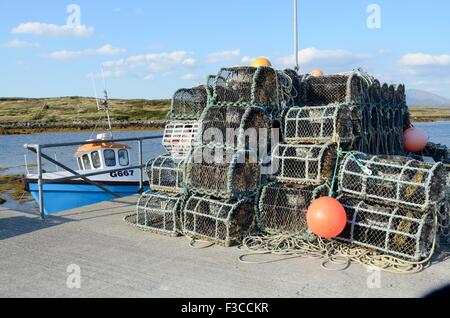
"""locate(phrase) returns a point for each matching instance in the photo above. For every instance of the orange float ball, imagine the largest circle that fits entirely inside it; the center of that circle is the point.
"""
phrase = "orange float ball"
(326, 217)
(317, 73)
(415, 139)
(261, 61)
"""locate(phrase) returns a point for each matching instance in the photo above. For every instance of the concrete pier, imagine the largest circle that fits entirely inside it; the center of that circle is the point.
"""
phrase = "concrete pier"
(117, 260)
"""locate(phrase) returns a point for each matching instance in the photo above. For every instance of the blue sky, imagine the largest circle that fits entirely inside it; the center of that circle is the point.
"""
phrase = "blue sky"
(148, 49)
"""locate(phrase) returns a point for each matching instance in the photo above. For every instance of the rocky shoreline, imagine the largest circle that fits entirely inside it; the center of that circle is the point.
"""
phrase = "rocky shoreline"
(12, 128)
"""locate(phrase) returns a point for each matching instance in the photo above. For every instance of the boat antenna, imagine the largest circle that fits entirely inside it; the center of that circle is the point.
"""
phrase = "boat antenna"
(105, 105)
(102, 104)
(297, 68)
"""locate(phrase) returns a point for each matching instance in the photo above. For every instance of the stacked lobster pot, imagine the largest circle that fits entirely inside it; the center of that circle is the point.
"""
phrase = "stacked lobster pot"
(328, 119)
(395, 205)
(224, 172)
(159, 209)
(378, 113)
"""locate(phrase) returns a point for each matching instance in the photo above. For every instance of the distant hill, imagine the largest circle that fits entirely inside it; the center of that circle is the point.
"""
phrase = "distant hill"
(420, 98)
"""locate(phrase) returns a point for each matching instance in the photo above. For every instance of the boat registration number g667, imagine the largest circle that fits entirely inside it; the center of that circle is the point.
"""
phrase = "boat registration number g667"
(119, 174)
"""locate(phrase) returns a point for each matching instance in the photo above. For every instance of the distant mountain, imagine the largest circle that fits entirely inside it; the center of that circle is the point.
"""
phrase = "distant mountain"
(417, 97)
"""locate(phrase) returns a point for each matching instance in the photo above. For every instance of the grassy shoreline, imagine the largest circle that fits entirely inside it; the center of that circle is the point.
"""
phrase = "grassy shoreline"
(42, 115)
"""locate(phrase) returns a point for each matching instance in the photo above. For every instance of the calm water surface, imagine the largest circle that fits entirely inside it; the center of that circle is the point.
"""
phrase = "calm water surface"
(12, 153)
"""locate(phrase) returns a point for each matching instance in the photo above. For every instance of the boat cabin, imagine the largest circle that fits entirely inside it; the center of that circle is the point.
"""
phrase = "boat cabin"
(103, 156)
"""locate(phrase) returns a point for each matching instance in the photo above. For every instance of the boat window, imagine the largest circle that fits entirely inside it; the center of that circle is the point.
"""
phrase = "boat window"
(96, 159)
(123, 157)
(86, 162)
(110, 157)
(80, 164)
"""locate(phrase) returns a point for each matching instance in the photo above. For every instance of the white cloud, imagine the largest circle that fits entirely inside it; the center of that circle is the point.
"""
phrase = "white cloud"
(330, 59)
(117, 10)
(139, 11)
(16, 44)
(217, 57)
(108, 74)
(149, 77)
(53, 30)
(189, 61)
(107, 49)
(156, 62)
(424, 59)
(246, 59)
(190, 77)
(117, 63)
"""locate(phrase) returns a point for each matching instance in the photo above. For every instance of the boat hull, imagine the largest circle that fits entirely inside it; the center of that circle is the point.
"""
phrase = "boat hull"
(67, 196)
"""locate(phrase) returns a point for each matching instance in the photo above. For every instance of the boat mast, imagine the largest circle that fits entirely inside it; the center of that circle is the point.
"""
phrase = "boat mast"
(297, 68)
(103, 105)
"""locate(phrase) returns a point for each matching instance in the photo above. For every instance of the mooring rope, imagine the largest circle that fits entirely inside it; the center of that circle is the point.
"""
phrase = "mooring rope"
(343, 255)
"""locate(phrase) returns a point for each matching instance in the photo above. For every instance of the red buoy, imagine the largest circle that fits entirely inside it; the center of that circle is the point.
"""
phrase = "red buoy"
(326, 217)
(415, 139)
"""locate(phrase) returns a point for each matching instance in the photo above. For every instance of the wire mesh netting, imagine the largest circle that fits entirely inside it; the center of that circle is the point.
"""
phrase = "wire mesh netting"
(393, 180)
(290, 87)
(247, 86)
(306, 164)
(333, 123)
(165, 174)
(221, 222)
(188, 103)
(236, 127)
(180, 137)
(337, 88)
(438, 152)
(223, 172)
(158, 212)
(402, 232)
(282, 208)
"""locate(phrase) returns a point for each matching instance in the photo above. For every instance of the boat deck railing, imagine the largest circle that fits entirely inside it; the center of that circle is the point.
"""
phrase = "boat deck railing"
(40, 156)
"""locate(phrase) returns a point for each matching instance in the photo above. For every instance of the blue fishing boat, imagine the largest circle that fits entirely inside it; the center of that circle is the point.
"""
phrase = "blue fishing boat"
(104, 169)
(91, 158)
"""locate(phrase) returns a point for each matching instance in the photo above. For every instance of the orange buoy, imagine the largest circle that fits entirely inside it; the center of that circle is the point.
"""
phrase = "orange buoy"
(415, 139)
(261, 61)
(326, 217)
(317, 73)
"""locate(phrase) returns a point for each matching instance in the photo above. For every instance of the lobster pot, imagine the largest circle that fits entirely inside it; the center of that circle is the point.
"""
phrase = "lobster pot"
(165, 174)
(225, 223)
(188, 103)
(158, 212)
(282, 208)
(314, 125)
(304, 164)
(438, 152)
(247, 86)
(392, 180)
(223, 172)
(401, 232)
(400, 95)
(385, 94)
(375, 93)
(295, 96)
(337, 89)
(237, 127)
(180, 137)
